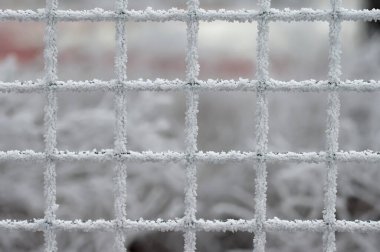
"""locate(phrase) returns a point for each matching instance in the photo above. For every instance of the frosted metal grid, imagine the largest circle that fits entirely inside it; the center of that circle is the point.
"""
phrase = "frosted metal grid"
(263, 84)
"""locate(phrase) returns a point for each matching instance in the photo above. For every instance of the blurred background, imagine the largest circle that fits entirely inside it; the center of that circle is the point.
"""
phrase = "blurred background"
(298, 51)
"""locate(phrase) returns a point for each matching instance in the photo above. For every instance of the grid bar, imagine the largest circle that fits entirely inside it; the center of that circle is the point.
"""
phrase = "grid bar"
(50, 57)
(161, 85)
(120, 179)
(176, 157)
(271, 225)
(332, 131)
(99, 15)
(191, 125)
(262, 115)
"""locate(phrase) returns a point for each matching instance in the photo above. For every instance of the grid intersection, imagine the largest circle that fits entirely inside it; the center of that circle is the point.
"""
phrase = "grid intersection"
(189, 224)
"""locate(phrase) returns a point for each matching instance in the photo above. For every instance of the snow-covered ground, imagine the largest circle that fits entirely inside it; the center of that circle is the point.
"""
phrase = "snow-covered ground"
(156, 122)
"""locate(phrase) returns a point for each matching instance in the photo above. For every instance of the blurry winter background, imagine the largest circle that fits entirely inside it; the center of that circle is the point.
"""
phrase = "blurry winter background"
(156, 122)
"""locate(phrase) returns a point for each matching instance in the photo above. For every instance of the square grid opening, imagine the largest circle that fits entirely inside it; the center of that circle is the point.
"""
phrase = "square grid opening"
(29, 130)
(299, 124)
(296, 190)
(156, 190)
(227, 50)
(95, 241)
(21, 240)
(150, 57)
(357, 242)
(21, 190)
(21, 51)
(86, 121)
(163, 4)
(285, 242)
(79, 180)
(229, 5)
(220, 199)
(159, 118)
(22, 4)
(295, 57)
(223, 124)
(86, 51)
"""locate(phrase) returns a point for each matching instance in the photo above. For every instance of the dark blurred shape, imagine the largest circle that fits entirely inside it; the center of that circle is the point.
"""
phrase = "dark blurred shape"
(357, 207)
(157, 241)
(373, 27)
(206, 242)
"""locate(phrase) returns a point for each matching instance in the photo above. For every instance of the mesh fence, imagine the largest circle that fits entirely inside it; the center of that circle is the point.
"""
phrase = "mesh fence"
(263, 84)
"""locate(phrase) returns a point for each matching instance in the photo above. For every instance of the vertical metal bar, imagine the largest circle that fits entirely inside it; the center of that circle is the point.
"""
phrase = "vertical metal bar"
(262, 126)
(50, 57)
(120, 179)
(191, 123)
(332, 131)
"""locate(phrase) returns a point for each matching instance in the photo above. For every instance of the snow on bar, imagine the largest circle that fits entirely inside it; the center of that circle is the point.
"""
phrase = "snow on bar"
(98, 15)
(50, 118)
(189, 224)
(177, 157)
(162, 85)
(271, 225)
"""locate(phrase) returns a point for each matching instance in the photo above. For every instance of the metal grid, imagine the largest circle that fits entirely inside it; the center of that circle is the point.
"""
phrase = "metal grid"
(189, 224)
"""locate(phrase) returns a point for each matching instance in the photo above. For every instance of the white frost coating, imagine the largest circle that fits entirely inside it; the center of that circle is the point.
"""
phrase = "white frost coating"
(162, 85)
(191, 124)
(50, 57)
(332, 131)
(97, 15)
(273, 225)
(262, 114)
(176, 157)
(120, 179)
(191, 86)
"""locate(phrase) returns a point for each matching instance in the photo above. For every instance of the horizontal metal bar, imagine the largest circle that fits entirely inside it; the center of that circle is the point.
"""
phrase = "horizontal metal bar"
(162, 85)
(98, 15)
(209, 156)
(178, 225)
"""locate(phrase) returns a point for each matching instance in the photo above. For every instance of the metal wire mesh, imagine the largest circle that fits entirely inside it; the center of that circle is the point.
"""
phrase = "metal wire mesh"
(263, 84)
